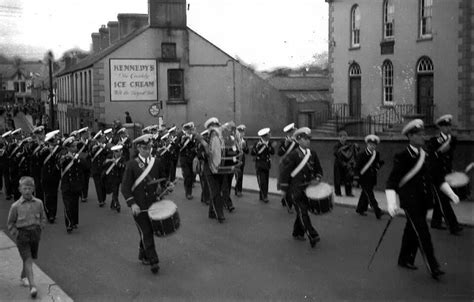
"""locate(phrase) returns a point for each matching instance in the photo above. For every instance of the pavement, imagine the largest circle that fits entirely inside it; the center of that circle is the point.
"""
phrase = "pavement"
(48, 290)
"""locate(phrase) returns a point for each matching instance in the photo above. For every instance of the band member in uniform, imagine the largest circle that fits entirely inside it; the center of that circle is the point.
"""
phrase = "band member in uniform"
(411, 179)
(344, 164)
(215, 180)
(441, 148)
(202, 157)
(114, 167)
(99, 153)
(174, 152)
(50, 173)
(263, 150)
(126, 142)
(187, 152)
(4, 173)
(35, 162)
(72, 175)
(84, 146)
(286, 146)
(367, 164)
(140, 192)
(14, 152)
(242, 145)
(299, 169)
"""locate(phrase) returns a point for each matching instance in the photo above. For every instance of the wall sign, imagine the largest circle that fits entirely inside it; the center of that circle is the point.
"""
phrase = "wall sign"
(154, 109)
(133, 80)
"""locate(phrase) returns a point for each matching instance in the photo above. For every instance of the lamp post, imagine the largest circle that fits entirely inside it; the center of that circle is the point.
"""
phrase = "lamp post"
(51, 94)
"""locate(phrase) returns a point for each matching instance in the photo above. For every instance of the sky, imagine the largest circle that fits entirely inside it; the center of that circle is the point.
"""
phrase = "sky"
(263, 33)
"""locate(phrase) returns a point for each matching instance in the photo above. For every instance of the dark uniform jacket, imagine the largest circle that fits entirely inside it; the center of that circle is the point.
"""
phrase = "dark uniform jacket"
(370, 175)
(97, 161)
(145, 194)
(417, 192)
(72, 180)
(442, 161)
(263, 159)
(115, 175)
(187, 151)
(50, 170)
(300, 181)
(35, 162)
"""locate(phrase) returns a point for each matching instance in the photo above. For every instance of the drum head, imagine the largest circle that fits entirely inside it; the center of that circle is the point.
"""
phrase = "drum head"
(319, 191)
(162, 209)
(457, 179)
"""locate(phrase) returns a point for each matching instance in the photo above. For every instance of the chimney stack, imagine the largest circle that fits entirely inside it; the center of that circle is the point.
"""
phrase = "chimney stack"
(113, 31)
(167, 13)
(128, 23)
(95, 42)
(104, 37)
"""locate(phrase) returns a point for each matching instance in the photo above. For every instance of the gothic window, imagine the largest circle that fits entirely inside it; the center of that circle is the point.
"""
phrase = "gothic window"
(387, 81)
(355, 26)
(388, 19)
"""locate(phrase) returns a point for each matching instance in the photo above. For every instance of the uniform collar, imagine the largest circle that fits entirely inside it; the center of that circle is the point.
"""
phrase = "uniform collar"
(144, 160)
(414, 149)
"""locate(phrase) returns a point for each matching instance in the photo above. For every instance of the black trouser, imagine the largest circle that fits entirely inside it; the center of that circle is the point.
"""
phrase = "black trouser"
(342, 177)
(71, 208)
(188, 175)
(8, 185)
(239, 178)
(227, 188)
(39, 192)
(367, 197)
(115, 195)
(99, 187)
(173, 164)
(147, 241)
(85, 185)
(442, 208)
(205, 195)
(262, 179)
(302, 223)
(15, 183)
(216, 183)
(2, 171)
(51, 200)
(417, 235)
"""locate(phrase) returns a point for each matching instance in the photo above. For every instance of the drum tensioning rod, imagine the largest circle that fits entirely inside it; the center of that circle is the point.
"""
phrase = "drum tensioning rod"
(380, 241)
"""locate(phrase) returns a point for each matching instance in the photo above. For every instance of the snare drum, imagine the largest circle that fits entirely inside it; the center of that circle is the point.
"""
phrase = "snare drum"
(459, 182)
(164, 217)
(320, 198)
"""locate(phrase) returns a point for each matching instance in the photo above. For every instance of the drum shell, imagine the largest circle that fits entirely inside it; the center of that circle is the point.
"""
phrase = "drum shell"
(166, 226)
(320, 206)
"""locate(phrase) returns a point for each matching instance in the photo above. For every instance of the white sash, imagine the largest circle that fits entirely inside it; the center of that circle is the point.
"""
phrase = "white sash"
(97, 153)
(36, 149)
(185, 143)
(144, 174)
(415, 169)
(112, 166)
(368, 164)
(50, 154)
(445, 144)
(301, 164)
(14, 151)
(263, 148)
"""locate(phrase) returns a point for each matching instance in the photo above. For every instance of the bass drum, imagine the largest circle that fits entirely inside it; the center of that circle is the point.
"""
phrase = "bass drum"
(320, 198)
(164, 218)
(225, 156)
(459, 182)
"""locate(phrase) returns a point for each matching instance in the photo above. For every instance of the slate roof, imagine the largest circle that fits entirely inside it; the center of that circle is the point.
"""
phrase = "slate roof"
(8, 71)
(300, 83)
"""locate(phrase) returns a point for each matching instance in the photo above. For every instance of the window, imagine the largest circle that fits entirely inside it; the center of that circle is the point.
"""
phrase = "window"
(387, 81)
(305, 119)
(22, 86)
(16, 86)
(168, 50)
(388, 22)
(425, 18)
(425, 65)
(355, 26)
(175, 84)
(354, 70)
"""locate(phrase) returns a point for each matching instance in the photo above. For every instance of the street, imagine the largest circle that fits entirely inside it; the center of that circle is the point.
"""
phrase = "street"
(250, 257)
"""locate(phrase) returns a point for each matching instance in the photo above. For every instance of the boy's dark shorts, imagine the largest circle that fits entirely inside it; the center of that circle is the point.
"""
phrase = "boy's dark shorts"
(27, 242)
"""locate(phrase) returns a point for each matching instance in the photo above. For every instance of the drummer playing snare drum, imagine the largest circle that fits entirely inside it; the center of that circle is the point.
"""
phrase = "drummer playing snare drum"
(140, 192)
(299, 169)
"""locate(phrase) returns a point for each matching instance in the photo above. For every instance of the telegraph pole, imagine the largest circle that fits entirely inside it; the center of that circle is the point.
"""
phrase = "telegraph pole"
(51, 94)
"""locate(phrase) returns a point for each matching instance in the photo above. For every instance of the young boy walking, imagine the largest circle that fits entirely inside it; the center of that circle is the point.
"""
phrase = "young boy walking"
(25, 221)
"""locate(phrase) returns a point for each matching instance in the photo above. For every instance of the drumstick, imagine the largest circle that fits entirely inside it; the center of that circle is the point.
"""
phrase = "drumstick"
(166, 190)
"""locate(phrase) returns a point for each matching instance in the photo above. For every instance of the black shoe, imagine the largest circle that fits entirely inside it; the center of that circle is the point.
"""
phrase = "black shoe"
(299, 237)
(238, 194)
(221, 219)
(361, 213)
(74, 226)
(155, 268)
(83, 199)
(436, 273)
(338, 194)
(456, 230)
(101, 204)
(231, 209)
(8, 198)
(118, 209)
(69, 230)
(407, 265)
(350, 195)
(438, 227)
(265, 200)
(189, 197)
(212, 216)
(283, 203)
(290, 211)
(314, 240)
(379, 214)
(51, 220)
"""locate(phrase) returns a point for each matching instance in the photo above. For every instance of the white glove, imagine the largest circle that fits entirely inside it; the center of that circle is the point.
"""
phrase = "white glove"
(392, 206)
(446, 189)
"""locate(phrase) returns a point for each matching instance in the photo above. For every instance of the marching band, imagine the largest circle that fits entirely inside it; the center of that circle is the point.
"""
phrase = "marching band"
(217, 155)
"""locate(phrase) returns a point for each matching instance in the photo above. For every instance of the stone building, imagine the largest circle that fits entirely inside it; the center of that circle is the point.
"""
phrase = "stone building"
(155, 61)
(403, 58)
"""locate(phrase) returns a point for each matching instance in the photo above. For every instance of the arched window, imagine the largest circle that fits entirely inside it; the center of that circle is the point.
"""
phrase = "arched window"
(355, 26)
(387, 81)
(354, 70)
(425, 65)
(388, 18)
(426, 14)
